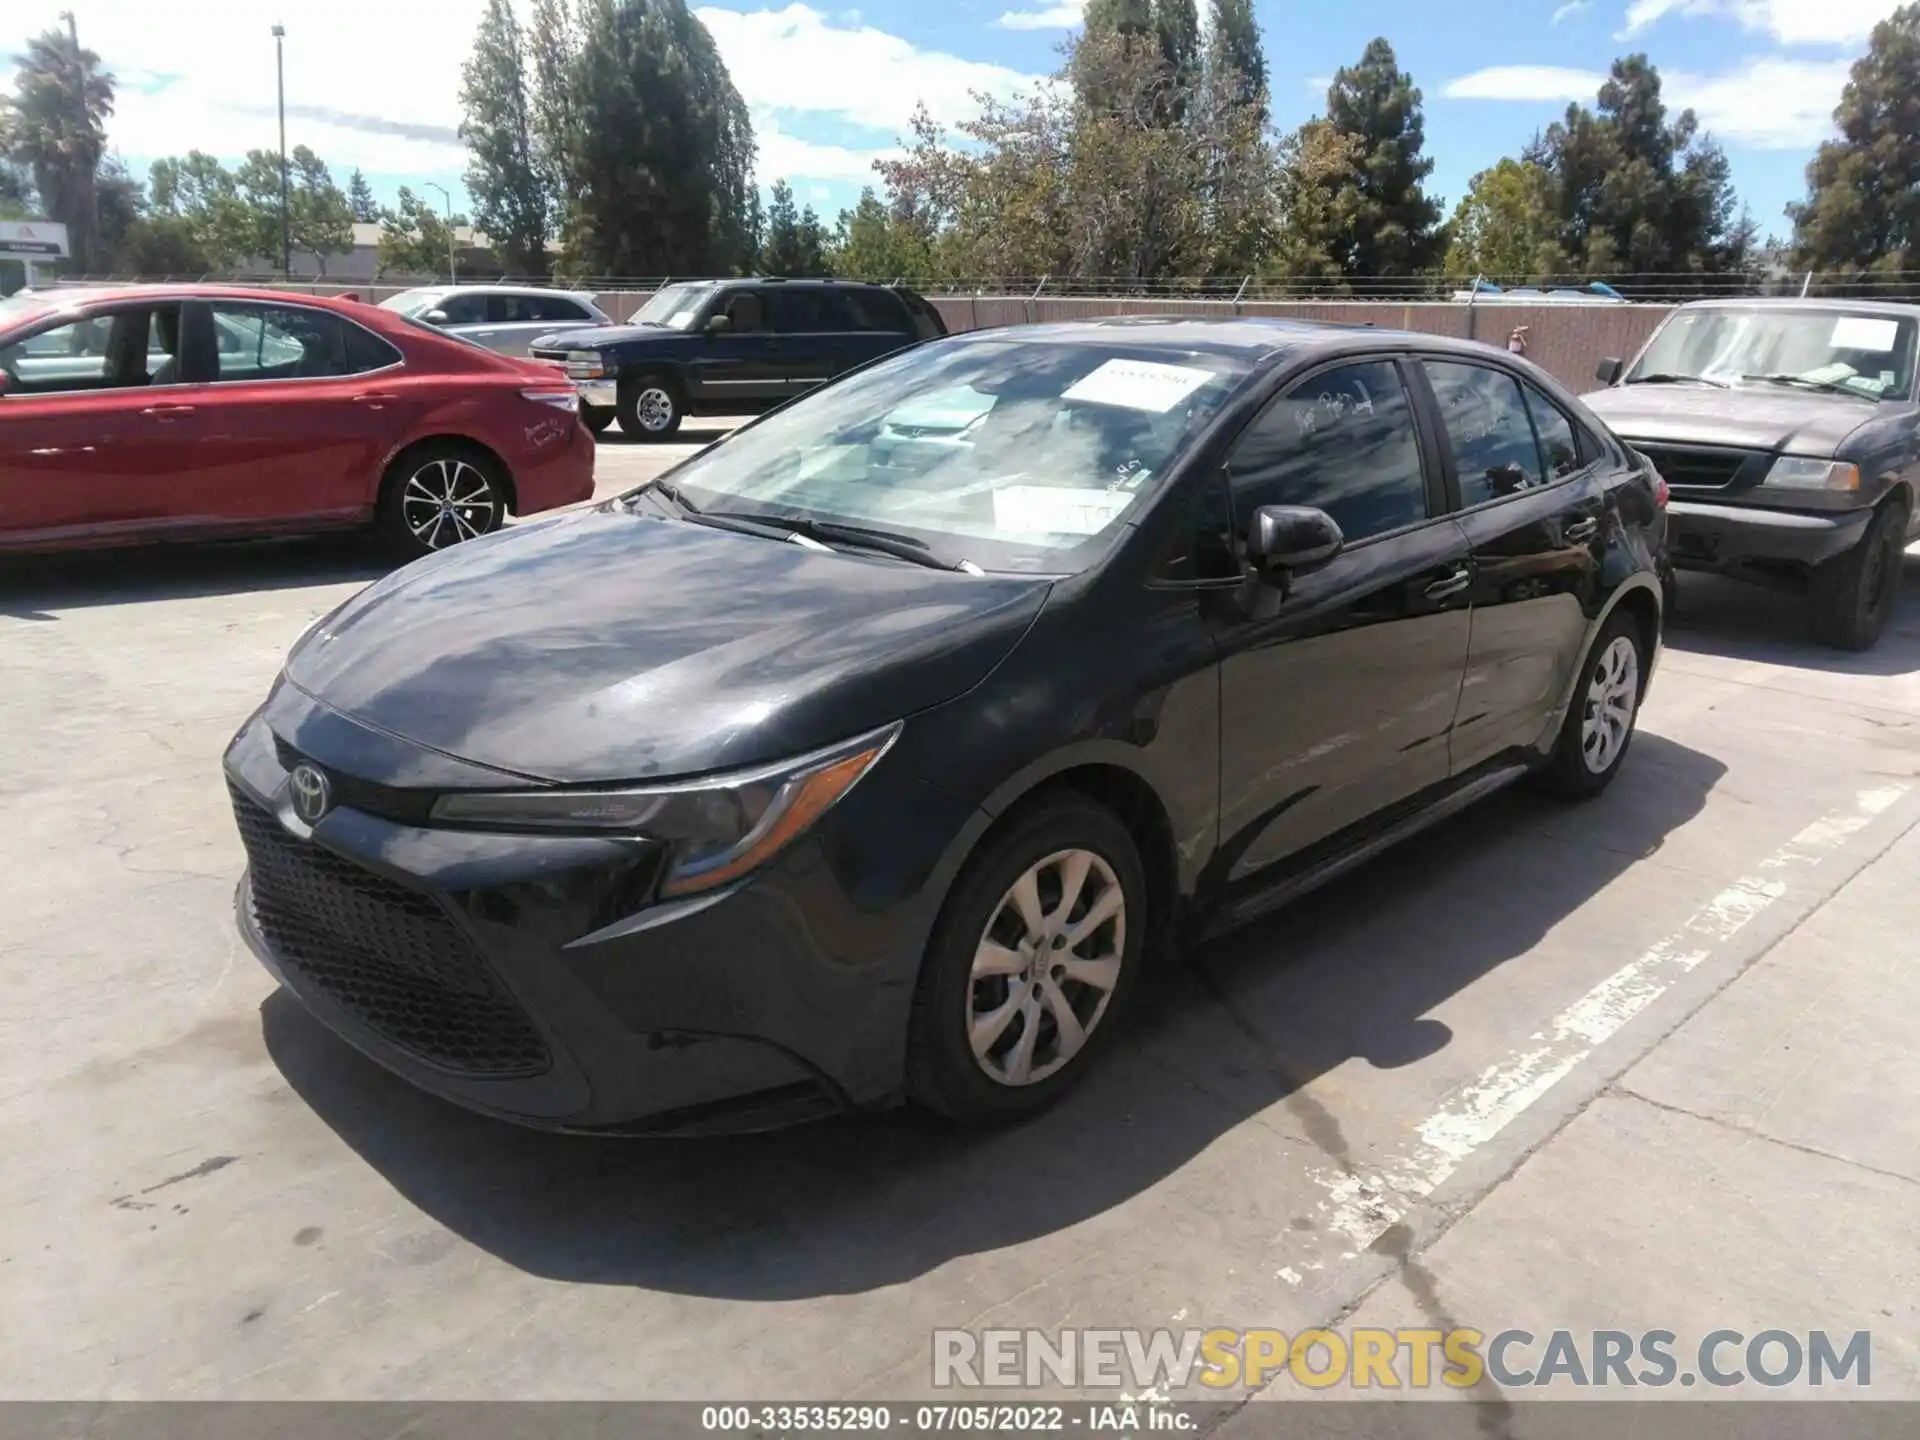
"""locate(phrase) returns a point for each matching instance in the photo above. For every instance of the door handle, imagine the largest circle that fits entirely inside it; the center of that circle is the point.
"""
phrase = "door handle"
(1582, 531)
(168, 412)
(376, 398)
(1452, 583)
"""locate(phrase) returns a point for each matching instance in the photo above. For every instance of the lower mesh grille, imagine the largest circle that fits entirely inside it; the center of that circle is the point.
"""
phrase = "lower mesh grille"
(386, 954)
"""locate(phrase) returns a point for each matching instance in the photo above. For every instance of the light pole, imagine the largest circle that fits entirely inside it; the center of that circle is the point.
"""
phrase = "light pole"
(286, 223)
(453, 274)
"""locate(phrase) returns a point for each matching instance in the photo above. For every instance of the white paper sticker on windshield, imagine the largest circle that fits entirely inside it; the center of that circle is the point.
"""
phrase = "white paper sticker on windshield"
(1138, 385)
(1852, 332)
(682, 320)
(1056, 509)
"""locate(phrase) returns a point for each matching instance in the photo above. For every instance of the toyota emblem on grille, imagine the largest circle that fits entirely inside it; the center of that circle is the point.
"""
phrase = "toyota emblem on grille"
(311, 793)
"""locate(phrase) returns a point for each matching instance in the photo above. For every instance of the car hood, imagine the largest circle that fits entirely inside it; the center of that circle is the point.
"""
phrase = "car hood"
(1750, 417)
(609, 645)
(598, 337)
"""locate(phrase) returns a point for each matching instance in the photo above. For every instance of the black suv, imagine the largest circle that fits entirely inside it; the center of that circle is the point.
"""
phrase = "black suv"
(1787, 431)
(732, 347)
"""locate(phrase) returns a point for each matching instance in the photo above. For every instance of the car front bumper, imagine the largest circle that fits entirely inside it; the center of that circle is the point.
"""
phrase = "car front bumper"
(601, 394)
(1733, 537)
(532, 978)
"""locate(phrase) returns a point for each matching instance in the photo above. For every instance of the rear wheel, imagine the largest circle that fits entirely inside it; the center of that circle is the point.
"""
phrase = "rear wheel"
(596, 417)
(1853, 594)
(1030, 964)
(440, 495)
(650, 407)
(1600, 721)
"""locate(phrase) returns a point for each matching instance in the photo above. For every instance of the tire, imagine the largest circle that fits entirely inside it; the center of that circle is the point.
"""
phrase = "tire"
(1853, 595)
(1584, 759)
(596, 417)
(419, 511)
(1048, 843)
(651, 407)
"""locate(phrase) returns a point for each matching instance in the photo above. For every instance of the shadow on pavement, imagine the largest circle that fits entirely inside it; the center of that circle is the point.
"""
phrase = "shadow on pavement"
(1352, 972)
(1742, 621)
(33, 586)
(700, 432)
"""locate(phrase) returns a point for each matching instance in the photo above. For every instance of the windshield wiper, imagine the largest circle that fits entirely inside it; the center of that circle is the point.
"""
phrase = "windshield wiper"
(1664, 378)
(1838, 387)
(886, 542)
(667, 491)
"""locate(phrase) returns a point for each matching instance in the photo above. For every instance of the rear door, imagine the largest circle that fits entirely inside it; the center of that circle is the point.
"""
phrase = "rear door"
(877, 324)
(743, 365)
(1337, 690)
(1525, 479)
(300, 408)
(809, 329)
(514, 322)
(91, 420)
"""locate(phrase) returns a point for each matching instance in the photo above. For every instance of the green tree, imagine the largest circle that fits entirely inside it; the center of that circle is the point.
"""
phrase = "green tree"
(512, 200)
(1234, 49)
(319, 219)
(366, 210)
(795, 244)
(1507, 225)
(1394, 225)
(199, 193)
(872, 243)
(1314, 174)
(16, 191)
(1862, 211)
(55, 127)
(414, 239)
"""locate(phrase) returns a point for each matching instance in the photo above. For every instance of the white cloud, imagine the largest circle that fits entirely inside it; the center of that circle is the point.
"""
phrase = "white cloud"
(1054, 17)
(797, 60)
(1570, 9)
(1525, 82)
(1792, 22)
(1763, 104)
(787, 157)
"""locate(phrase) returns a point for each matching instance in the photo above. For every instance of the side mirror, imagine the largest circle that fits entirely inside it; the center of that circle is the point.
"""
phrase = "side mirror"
(435, 317)
(719, 324)
(1607, 372)
(1292, 538)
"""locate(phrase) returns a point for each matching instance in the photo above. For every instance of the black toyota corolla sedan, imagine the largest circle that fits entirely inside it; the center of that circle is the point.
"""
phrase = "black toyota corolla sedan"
(872, 752)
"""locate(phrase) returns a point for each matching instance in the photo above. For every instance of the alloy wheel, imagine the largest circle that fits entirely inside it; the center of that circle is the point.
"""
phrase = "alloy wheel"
(1611, 697)
(1046, 967)
(446, 501)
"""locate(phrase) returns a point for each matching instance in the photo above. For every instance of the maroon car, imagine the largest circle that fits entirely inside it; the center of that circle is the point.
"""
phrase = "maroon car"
(193, 411)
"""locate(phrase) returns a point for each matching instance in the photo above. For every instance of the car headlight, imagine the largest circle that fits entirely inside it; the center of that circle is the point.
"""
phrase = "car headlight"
(717, 829)
(585, 365)
(1791, 472)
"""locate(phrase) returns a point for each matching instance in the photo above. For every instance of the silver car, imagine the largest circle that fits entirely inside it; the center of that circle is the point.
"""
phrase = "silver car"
(504, 318)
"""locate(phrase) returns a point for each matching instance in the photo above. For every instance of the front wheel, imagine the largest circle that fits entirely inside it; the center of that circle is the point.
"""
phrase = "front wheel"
(1600, 721)
(650, 407)
(1030, 964)
(441, 495)
(1853, 594)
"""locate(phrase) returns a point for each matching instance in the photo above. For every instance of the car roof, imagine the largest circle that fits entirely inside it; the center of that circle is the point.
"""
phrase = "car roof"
(68, 297)
(1251, 336)
(1816, 303)
(496, 290)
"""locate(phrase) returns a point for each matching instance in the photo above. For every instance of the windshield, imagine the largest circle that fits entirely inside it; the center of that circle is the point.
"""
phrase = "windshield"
(1013, 455)
(412, 302)
(1866, 354)
(674, 306)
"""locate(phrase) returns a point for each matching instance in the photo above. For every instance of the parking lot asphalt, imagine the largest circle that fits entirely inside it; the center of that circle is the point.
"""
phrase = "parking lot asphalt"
(208, 1196)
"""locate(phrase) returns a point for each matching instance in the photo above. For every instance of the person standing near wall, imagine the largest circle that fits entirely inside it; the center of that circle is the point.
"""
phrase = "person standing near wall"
(1517, 340)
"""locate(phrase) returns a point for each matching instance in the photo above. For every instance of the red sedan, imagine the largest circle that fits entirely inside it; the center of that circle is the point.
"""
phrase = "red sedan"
(197, 411)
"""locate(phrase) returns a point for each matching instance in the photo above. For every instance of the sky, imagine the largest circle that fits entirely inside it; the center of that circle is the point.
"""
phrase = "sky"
(374, 84)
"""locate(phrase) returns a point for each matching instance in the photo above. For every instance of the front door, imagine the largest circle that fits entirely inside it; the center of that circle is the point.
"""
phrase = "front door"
(740, 366)
(1532, 504)
(1338, 689)
(90, 416)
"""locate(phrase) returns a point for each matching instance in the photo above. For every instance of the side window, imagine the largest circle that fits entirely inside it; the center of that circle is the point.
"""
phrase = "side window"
(797, 312)
(1342, 440)
(1486, 420)
(270, 342)
(553, 307)
(875, 310)
(744, 309)
(100, 352)
(366, 351)
(1560, 443)
(464, 309)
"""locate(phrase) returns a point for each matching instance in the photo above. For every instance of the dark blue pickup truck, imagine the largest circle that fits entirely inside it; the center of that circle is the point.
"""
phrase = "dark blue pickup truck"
(732, 347)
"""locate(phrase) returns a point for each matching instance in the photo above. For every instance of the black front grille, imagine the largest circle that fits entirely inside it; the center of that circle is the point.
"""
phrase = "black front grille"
(386, 954)
(1699, 467)
(403, 807)
(556, 357)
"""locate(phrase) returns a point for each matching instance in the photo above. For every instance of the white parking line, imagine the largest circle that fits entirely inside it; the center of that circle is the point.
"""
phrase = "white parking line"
(1360, 1207)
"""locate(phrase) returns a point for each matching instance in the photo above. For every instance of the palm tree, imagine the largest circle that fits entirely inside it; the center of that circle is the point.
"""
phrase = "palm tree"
(55, 126)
